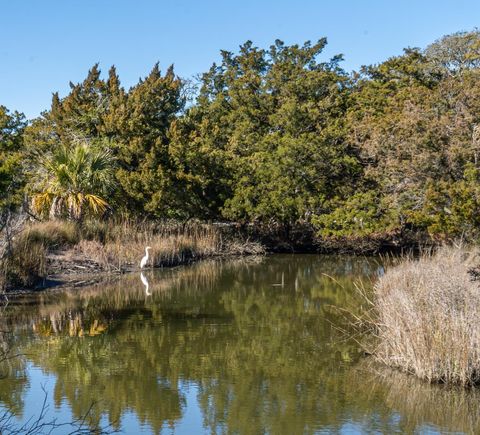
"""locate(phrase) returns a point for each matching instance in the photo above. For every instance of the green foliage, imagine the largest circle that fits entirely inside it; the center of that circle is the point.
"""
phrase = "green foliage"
(268, 125)
(279, 138)
(452, 209)
(146, 173)
(362, 214)
(456, 53)
(414, 128)
(133, 125)
(74, 181)
(12, 126)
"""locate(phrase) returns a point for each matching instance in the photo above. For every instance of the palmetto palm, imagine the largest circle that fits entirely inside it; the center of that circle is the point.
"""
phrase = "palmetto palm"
(74, 180)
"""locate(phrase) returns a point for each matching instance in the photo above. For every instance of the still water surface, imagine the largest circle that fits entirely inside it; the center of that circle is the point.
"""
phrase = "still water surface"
(252, 346)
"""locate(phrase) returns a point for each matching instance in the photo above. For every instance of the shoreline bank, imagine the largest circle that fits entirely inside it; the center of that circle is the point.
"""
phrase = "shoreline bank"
(46, 250)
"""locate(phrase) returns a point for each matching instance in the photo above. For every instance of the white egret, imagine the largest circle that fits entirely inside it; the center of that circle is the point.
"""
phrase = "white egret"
(145, 283)
(144, 260)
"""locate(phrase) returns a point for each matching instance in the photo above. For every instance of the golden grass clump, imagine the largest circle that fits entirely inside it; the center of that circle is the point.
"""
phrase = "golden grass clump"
(52, 234)
(428, 317)
(123, 243)
(27, 264)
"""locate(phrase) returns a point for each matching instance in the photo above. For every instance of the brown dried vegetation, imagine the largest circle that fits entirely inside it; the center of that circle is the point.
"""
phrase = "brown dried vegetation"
(60, 247)
(426, 316)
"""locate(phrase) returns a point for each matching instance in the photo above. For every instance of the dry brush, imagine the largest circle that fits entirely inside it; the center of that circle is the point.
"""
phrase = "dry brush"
(427, 316)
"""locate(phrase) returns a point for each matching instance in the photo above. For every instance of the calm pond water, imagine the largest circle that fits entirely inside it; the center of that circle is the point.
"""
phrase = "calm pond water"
(250, 346)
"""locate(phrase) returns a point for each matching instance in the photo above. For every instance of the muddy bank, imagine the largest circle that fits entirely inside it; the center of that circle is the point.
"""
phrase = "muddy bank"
(72, 269)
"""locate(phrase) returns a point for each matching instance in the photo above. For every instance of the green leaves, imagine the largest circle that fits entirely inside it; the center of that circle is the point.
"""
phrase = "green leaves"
(145, 169)
(268, 122)
(12, 126)
(277, 136)
(74, 181)
(131, 126)
(455, 53)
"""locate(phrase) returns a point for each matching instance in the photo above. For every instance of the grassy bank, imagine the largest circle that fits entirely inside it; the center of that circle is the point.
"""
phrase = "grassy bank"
(61, 247)
(426, 316)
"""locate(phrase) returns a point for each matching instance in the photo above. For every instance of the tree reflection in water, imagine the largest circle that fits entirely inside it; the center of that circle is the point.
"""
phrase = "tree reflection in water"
(262, 358)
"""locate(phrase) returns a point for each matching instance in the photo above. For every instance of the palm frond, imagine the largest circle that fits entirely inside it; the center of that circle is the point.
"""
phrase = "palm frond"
(75, 177)
(42, 202)
(96, 204)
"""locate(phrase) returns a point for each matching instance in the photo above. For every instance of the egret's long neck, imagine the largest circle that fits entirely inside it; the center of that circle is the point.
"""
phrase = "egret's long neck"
(146, 252)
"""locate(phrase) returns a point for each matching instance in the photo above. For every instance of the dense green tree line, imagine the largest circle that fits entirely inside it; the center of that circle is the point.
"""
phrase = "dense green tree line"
(275, 137)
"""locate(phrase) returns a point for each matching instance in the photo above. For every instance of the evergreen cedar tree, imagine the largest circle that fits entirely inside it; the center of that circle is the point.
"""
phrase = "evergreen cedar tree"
(279, 137)
(12, 126)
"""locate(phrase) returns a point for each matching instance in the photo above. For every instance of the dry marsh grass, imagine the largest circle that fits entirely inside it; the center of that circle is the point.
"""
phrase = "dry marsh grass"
(26, 265)
(122, 244)
(114, 245)
(427, 316)
(52, 234)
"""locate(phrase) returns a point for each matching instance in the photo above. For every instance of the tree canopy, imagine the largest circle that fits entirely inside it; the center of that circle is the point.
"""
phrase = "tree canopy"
(280, 136)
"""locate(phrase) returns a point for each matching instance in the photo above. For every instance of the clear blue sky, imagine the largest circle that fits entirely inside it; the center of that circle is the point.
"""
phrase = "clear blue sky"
(44, 44)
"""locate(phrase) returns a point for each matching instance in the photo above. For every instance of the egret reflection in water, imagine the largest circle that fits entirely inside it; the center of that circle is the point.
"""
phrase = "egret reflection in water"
(145, 283)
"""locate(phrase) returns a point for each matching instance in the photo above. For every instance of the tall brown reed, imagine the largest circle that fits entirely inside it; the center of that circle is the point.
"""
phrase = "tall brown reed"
(427, 313)
(27, 264)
